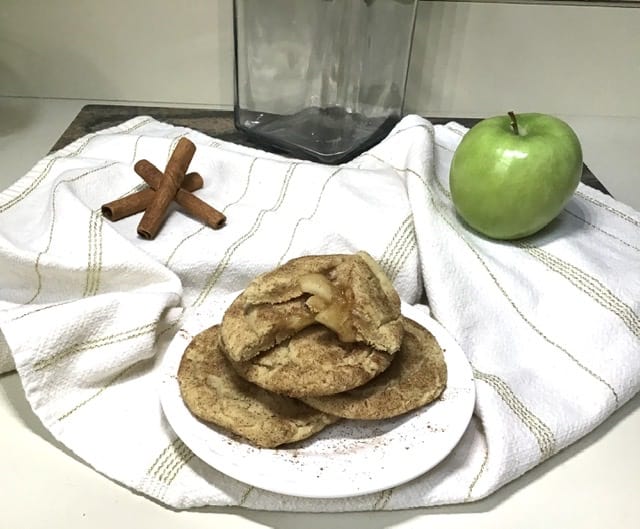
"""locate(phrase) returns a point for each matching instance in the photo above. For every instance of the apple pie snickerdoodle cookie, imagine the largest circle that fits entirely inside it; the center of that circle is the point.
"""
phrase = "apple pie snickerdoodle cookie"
(417, 376)
(316, 340)
(349, 294)
(214, 393)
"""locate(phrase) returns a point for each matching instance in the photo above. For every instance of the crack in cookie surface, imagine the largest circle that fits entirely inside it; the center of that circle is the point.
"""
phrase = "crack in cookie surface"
(314, 362)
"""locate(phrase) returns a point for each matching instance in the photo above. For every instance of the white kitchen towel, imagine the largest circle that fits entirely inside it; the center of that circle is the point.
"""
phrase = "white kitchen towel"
(550, 323)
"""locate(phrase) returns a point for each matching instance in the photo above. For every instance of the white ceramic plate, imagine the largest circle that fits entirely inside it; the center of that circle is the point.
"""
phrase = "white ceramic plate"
(349, 458)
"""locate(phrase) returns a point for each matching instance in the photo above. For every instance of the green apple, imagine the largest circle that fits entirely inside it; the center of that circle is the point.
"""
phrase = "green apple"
(510, 176)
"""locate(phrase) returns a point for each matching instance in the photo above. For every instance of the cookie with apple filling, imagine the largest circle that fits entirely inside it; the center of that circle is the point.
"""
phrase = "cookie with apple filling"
(346, 293)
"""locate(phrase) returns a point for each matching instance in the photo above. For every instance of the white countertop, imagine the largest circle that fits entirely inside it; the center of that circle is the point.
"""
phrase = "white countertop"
(595, 483)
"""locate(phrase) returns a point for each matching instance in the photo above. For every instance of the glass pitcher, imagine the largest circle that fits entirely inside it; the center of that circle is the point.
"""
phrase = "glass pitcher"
(321, 79)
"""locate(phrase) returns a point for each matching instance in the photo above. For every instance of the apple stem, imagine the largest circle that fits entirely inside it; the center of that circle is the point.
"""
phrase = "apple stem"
(514, 122)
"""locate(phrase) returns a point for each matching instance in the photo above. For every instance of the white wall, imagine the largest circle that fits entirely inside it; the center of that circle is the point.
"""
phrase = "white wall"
(141, 50)
(483, 58)
(469, 58)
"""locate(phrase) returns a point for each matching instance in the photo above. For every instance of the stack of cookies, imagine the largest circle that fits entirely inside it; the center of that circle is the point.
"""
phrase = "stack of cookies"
(319, 339)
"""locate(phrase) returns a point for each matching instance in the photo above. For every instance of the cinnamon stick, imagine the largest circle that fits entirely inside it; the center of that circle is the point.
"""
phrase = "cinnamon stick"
(173, 176)
(138, 201)
(193, 205)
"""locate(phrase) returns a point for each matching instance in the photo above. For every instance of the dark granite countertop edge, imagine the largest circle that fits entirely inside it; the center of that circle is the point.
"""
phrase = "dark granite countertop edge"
(214, 123)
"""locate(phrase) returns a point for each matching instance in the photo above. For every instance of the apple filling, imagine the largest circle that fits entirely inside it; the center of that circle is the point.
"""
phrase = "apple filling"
(329, 305)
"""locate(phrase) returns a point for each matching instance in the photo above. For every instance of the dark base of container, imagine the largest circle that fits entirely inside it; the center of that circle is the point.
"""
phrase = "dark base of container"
(327, 135)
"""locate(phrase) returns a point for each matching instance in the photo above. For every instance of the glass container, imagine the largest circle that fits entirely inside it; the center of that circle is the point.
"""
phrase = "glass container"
(321, 79)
